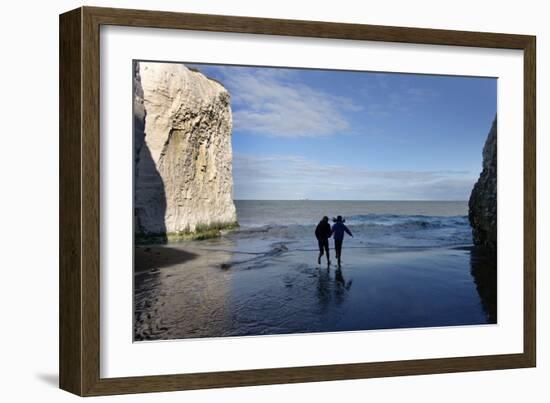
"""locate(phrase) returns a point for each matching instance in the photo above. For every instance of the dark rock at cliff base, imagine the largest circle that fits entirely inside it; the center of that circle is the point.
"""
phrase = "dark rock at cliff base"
(483, 200)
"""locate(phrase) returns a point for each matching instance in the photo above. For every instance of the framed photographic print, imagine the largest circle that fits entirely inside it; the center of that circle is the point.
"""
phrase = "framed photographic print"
(249, 201)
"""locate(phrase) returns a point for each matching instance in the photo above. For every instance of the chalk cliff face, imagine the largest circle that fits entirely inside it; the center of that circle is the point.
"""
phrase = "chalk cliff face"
(183, 158)
(483, 200)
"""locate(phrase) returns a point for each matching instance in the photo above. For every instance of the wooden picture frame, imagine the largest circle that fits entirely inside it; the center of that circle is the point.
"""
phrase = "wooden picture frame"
(79, 278)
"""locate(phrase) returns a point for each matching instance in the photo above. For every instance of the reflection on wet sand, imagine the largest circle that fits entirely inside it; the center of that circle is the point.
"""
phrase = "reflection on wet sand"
(339, 277)
(331, 289)
(484, 271)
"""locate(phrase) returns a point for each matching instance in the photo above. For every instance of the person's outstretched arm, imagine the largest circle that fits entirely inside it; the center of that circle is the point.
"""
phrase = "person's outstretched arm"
(348, 231)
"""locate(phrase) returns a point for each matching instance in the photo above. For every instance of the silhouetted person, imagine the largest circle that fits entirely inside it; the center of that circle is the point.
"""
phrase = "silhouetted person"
(338, 230)
(323, 233)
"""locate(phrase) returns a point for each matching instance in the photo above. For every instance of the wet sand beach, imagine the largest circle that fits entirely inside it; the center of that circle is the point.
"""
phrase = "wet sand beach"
(152, 257)
(206, 289)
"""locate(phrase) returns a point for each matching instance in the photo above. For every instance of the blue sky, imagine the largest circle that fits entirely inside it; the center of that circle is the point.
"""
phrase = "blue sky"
(338, 135)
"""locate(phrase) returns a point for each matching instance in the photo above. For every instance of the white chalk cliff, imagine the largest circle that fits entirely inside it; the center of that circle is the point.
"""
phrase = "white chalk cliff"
(182, 144)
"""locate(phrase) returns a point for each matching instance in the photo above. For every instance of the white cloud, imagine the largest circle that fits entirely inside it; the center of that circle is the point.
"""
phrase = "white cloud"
(291, 177)
(272, 102)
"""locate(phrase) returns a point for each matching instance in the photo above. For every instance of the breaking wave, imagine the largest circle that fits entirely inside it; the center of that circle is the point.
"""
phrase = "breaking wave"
(388, 230)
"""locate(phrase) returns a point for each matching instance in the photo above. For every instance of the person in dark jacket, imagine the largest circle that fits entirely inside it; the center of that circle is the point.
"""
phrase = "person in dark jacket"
(323, 233)
(338, 230)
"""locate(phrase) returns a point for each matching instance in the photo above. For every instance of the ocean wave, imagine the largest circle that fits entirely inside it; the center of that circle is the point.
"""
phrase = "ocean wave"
(422, 220)
(375, 229)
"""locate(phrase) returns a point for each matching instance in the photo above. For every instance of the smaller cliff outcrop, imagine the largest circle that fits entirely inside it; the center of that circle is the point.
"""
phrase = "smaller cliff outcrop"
(483, 199)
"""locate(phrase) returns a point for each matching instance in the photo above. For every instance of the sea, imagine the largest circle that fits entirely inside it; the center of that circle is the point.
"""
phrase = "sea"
(394, 224)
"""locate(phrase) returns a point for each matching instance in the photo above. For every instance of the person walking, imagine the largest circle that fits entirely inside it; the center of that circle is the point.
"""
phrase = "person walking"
(338, 230)
(323, 233)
